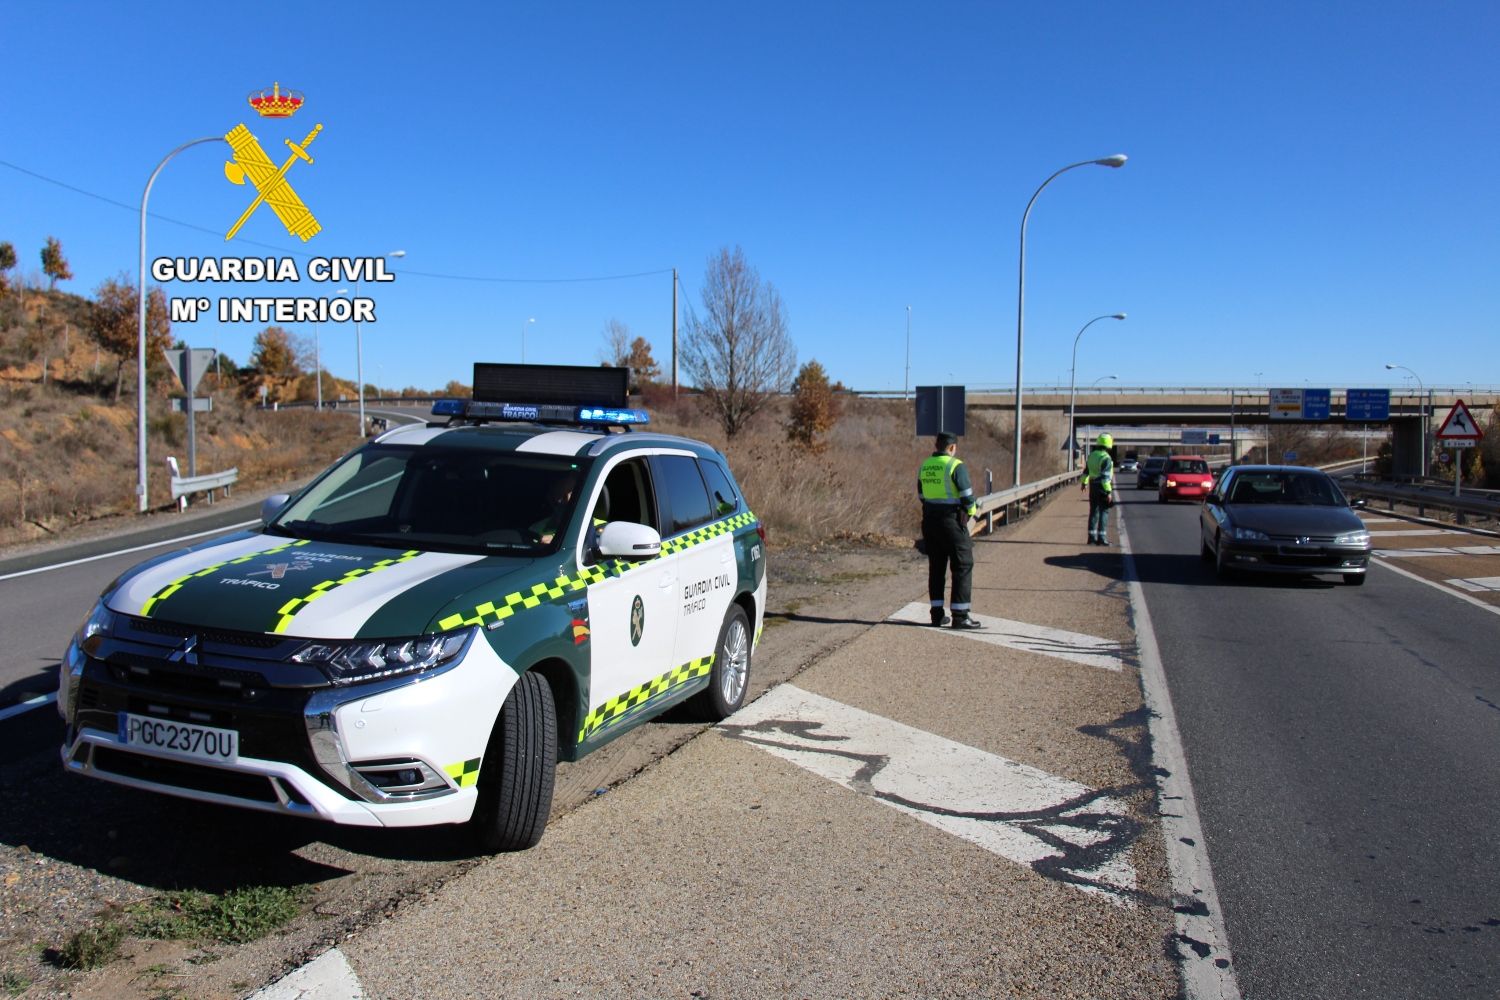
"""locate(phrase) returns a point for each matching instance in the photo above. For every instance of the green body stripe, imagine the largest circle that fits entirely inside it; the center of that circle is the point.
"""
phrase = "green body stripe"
(176, 584)
(491, 611)
(641, 694)
(290, 609)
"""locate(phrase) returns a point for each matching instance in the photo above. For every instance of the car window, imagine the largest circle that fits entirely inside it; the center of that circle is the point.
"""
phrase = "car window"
(439, 499)
(627, 495)
(1288, 488)
(720, 489)
(687, 503)
(1194, 465)
(1153, 463)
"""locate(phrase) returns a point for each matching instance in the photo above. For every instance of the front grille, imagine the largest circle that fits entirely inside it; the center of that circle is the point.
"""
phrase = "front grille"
(250, 640)
(180, 774)
(200, 679)
(1311, 539)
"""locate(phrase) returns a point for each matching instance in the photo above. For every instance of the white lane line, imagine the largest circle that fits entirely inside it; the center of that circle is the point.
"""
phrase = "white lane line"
(1383, 520)
(1407, 532)
(1476, 584)
(327, 977)
(21, 707)
(1455, 550)
(1017, 812)
(126, 552)
(1491, 608)
(1089, 650)
(1202, 941)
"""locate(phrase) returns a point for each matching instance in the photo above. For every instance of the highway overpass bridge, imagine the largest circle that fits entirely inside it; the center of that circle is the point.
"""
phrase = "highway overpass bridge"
(1149, 415)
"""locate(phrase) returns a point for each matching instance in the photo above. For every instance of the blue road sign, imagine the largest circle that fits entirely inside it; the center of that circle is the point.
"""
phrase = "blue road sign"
(1315, 404)
(1367, 406)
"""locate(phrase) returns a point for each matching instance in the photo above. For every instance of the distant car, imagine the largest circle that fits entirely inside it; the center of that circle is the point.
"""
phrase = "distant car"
(1186, 477)
(1149, 474)
(1283, 519)
(1129, 465)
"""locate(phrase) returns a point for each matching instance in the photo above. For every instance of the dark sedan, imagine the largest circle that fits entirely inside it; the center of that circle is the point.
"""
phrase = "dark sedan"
(1148, 476)
(1283, 519)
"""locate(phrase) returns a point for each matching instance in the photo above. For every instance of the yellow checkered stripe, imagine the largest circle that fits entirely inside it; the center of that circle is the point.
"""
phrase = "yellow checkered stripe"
(703, 534)
(638, 696)
(291, 608)
(176, 584)
(464, 773)
(491, 612)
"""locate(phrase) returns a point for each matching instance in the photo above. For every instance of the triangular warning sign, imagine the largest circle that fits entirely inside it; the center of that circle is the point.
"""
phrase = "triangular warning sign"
(1459, 425)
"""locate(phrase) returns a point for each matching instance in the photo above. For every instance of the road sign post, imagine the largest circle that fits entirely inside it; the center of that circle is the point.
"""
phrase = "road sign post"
(1458, 430)
(189, 366)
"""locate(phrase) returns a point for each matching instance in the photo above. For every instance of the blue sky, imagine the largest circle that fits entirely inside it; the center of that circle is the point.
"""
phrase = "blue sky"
(1310, 191)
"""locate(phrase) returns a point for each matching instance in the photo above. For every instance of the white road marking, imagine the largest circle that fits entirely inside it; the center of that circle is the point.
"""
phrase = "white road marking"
(1491, 608)
(1404, 532)
(1383, 520)
(1477, 584)
(1010, 809)
(21, 707)
(1456, 550)
(327, 977)
(1202, 938)
(1089, 650)
(139, 548)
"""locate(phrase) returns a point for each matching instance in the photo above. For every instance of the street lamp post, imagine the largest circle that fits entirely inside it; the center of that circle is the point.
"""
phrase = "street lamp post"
(1117, 160)
(140, 344)
(1072, 389)
(1422, 405)
(359, 351)
(523, 337)
(906, 384)
(1096, 381)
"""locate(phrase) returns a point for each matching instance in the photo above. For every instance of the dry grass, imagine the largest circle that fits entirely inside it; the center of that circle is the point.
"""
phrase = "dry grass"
(862, 484)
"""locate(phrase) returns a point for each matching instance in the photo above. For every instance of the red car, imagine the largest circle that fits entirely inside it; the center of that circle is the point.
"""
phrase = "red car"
(1185, 477)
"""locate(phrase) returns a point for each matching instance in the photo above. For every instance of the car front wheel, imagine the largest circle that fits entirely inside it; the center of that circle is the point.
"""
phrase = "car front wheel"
(519, 768)
(730, 677)
(1355, 579)
(1221, 567)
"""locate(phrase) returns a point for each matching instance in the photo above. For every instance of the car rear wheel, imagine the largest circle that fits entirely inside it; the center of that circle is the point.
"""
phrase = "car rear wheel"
(730, 677)
(520, 766)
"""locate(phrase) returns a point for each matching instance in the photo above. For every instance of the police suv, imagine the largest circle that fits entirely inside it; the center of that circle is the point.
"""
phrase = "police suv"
(423, 631)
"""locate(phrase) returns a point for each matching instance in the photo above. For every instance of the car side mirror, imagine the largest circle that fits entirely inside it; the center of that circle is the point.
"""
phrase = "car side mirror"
(1214, 497)
(272, 506)
(1359, 503)
(628, 540)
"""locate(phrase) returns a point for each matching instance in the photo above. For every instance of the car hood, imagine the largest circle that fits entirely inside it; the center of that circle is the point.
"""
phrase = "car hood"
(295, 587)
(1294, 519)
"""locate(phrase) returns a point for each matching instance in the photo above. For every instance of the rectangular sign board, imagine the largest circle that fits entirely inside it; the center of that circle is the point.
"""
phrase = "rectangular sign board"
(940, 409)
(1367, 406)
(1316, 404)
(1286, 404)
(1194, 437)
(201, 404)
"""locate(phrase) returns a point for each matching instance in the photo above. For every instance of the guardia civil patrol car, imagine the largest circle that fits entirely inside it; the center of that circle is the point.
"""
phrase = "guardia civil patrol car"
(420, 634)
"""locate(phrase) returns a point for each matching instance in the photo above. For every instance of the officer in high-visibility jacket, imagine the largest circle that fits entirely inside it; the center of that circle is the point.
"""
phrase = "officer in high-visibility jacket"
(1099, 480)
(947, 504)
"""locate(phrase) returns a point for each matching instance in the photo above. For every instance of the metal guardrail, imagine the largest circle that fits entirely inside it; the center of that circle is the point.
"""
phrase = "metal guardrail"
(182, 486)
(1421, 496)
(1017, 501)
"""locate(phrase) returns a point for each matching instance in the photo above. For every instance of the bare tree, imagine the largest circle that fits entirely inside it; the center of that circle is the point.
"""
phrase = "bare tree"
(616, 343)
(738, 354)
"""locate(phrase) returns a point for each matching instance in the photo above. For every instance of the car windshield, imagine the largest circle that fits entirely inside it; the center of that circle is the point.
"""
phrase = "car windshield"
(439, 499)
(1285, 487)
(1152, 464)
(1196, 465)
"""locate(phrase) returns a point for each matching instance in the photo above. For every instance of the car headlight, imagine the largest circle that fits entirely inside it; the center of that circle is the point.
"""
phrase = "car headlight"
(1360, 537)
(100, 622)
(354, 662)
(1248, 535)
(1171, 482)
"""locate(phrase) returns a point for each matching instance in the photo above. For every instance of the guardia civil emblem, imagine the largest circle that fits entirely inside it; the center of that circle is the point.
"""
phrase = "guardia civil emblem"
(637, 620)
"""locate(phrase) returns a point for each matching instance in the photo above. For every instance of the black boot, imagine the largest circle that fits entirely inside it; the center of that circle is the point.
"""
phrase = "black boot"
(939, 619)
(962, 620)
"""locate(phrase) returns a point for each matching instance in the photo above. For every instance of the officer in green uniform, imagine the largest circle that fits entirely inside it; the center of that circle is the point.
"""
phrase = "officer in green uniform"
(1099, 480)
(947, 504)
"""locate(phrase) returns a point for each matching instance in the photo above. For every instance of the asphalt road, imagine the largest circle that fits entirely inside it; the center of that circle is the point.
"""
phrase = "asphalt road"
(1343, 745)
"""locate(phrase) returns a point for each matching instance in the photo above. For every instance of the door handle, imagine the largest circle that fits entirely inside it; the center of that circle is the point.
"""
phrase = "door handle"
(667, 581)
